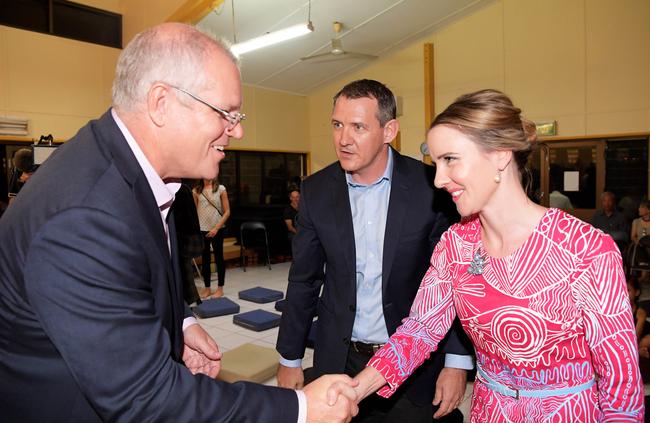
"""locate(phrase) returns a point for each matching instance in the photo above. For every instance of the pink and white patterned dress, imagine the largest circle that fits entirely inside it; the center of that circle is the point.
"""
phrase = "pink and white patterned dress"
(553, 314)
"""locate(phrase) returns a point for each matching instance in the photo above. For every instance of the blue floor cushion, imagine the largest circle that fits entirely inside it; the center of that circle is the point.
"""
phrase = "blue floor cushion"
(257, 320)
(261, 295)
(216, 307)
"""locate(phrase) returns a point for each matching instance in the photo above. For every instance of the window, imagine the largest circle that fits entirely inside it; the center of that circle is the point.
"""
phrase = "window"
(256, 178)
(65, 19)
(580, 169)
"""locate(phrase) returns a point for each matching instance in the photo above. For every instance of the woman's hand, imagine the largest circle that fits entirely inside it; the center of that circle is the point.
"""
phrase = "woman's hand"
(213, 232)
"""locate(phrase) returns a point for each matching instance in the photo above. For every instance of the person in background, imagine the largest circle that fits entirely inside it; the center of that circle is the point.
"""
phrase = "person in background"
(541, 294)
(611, 221)
(556, 198)
(367, 226)
(639, 314)
(641, 225)
(93, 326)
(190, 238)
(213, 207)
(290, 214)
(24, 168)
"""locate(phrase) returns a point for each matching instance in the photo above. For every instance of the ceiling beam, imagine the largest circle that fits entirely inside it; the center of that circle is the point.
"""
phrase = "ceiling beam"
(192, 11)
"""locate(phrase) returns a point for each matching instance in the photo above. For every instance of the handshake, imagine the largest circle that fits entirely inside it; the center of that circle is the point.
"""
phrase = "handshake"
(332, 398)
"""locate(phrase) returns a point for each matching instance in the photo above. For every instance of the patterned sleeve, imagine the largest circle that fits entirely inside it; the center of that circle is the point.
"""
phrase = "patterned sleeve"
(431, 316)
(609, 329)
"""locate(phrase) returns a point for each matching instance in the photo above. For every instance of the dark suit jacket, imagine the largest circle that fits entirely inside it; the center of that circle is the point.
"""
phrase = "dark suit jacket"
(91, 306)
(324, 251)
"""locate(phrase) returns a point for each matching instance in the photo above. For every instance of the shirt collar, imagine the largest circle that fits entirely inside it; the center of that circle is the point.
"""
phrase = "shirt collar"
(388, 172)
(163, 192)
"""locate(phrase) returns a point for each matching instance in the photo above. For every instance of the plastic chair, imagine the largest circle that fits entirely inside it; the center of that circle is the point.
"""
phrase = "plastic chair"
(252, 227)
(639, 258)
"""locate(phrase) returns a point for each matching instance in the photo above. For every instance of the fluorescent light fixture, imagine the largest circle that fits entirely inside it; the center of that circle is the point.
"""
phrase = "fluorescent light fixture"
(274, 37)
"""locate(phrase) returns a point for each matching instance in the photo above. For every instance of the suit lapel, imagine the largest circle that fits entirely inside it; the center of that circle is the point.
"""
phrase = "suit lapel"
(343, 214)
(397, 204)
(176, 287)
(115, 146)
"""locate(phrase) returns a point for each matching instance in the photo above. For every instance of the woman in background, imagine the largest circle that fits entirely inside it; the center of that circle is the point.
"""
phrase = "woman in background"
(641, 225)
(541, 294)
(212, 205)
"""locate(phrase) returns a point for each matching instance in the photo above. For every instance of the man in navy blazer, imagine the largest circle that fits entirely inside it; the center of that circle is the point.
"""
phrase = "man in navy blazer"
(367, 227)
(93, 326)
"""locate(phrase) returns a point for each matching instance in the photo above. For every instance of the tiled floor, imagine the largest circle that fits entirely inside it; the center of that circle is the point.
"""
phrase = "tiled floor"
(225, 332)
(229, 335)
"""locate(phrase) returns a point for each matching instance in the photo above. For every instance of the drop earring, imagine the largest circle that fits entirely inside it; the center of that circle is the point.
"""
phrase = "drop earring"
(497, 177)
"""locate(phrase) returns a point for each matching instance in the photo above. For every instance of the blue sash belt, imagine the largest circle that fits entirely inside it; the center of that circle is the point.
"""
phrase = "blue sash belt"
(538, 393)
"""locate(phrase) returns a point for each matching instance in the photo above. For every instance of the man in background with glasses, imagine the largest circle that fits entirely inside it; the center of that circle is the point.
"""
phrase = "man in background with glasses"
(93, 326)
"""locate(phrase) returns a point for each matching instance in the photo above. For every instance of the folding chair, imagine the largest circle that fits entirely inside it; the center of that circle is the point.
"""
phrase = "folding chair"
(252, 228)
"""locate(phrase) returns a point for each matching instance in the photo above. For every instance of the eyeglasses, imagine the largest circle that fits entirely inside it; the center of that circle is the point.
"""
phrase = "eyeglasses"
(232, 118)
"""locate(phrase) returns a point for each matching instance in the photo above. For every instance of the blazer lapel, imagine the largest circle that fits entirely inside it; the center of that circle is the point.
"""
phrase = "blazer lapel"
(343, 214)
(112, 142)
(399, 199)
(176, 288)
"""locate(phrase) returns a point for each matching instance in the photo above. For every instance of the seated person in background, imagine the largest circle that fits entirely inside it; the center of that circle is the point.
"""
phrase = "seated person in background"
(641, 225)
(640, 255)
(24, 168)
(639, 314)
(611, 221)
(291, 212)
(556, 198)
(560, 201)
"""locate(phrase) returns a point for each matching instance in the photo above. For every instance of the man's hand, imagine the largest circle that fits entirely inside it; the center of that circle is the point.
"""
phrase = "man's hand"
(200, 353)
(450, 390)
(324, 408)
(290, 377)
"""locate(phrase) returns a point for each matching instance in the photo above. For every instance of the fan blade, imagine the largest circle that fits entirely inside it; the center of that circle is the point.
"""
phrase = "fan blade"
(317, 56)
(331, 57)
(360, 55)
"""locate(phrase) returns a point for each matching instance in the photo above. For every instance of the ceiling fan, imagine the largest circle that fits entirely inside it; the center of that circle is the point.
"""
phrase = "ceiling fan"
(337, 52)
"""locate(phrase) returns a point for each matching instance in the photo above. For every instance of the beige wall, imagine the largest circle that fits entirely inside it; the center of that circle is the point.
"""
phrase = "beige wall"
(585, 64)
(56, 83)
(140, 14)
(60, 84)
(275, 121)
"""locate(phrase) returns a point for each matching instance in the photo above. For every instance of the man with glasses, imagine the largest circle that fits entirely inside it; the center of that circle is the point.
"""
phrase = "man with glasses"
(92, 324)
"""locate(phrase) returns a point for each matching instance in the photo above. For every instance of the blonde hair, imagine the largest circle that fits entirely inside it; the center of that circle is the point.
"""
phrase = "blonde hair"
(489, 118)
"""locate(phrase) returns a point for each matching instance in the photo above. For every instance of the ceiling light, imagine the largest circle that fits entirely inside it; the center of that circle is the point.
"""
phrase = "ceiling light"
(274, 37)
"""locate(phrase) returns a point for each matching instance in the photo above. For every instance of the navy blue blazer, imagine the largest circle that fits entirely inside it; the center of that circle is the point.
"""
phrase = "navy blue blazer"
(91, 305)
(324, 253)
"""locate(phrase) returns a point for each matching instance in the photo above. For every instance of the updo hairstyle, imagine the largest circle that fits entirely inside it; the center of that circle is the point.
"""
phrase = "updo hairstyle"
(489, 118)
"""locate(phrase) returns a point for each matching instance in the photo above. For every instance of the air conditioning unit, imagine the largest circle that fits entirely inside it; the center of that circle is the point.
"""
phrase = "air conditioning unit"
(13, 126)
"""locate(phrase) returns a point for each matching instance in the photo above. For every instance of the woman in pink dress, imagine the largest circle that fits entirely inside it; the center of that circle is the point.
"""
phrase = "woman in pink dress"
(541, 294)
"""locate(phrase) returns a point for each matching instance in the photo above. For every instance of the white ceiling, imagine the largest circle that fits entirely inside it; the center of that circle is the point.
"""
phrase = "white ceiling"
(377, 27)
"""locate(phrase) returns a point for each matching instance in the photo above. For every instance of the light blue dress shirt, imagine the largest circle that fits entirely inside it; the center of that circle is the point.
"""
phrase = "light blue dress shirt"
(369, 205)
